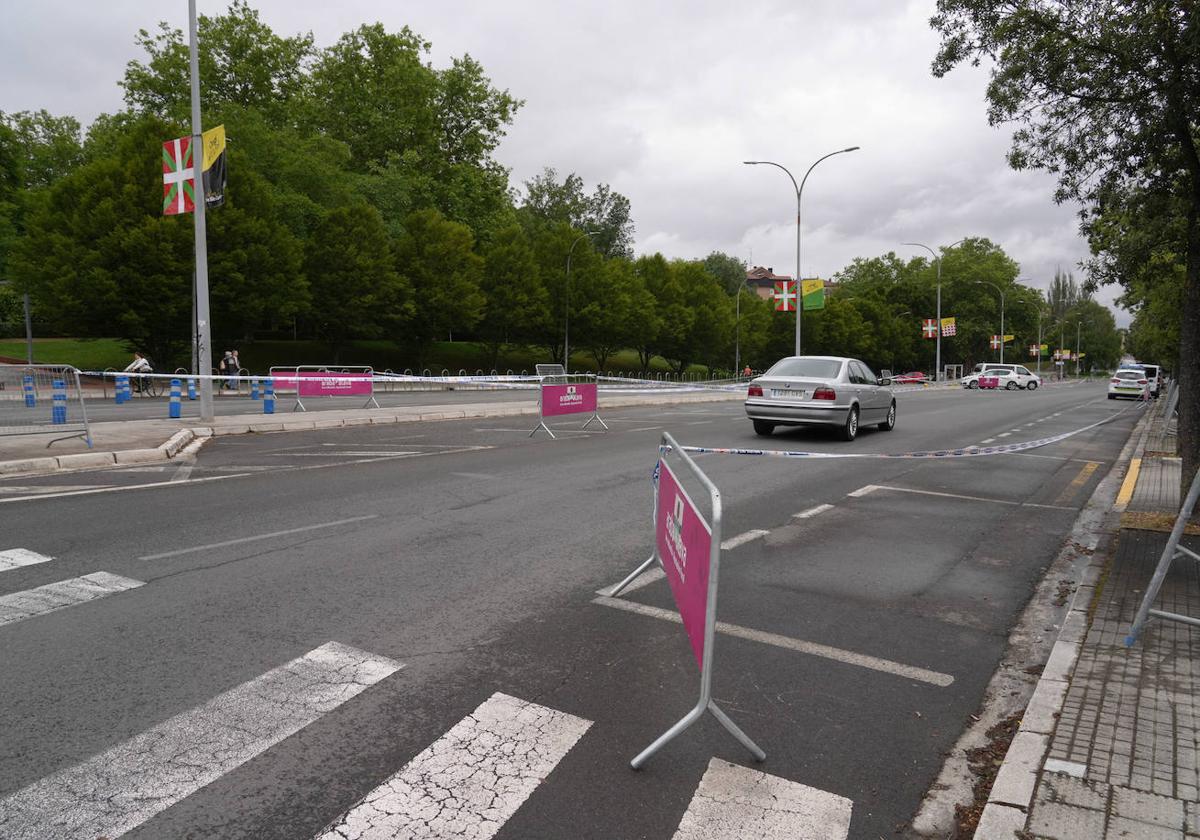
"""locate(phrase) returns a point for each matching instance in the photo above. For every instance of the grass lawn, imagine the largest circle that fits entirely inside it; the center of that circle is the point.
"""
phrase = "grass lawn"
(259, 356)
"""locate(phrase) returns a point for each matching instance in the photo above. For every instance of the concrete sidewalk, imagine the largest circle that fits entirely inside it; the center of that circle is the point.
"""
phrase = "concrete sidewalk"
(1108, 744)
(142, 441)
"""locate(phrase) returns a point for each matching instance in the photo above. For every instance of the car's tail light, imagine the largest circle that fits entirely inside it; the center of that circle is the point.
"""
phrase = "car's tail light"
(1143, 381)
(1115, 381)
(824, 393)
(755, 391)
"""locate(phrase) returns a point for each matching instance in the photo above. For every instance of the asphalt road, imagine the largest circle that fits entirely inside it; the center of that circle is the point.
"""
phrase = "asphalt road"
(453, 561)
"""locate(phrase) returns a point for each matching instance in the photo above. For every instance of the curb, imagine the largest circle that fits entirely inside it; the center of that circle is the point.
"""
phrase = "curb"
(1011, 797)
(297, 423)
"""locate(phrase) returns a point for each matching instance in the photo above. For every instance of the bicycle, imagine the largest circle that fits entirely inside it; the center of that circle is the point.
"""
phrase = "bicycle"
(150, 386)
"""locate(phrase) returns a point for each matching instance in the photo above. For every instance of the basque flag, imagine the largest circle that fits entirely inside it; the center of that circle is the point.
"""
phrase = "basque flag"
(929, 328)
(785, 296)
(179, 179)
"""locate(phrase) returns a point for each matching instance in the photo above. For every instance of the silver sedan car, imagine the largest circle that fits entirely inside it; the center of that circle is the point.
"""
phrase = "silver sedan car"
(820, 390)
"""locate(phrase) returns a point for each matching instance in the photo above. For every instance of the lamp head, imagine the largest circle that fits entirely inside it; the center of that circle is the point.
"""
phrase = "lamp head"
(852, 149)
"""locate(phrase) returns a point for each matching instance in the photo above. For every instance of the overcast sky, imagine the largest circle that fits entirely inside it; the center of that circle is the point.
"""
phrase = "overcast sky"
(663, 100)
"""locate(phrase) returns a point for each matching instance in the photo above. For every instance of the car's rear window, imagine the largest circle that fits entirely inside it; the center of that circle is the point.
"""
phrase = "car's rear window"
(815, 368)
(1129, 374)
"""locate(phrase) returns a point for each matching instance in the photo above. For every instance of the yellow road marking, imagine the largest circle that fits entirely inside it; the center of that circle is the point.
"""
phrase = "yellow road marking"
(1130, 482)
(1084, 474)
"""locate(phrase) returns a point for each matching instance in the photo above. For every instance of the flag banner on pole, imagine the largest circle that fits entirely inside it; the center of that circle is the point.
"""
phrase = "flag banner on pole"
(1008, 338)
(929, 328)
(785, 296)
(813, 294)
(995, 342)
(1080, 355)
(179, 186)
(214, 167)
(1045, 348)
(949, 327)
(1033, 351)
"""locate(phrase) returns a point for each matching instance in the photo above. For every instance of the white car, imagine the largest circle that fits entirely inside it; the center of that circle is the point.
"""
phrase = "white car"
(1129, 382)
(1011, 377)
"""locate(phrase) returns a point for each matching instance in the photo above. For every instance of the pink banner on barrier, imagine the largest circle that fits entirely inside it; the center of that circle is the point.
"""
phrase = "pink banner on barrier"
(314, 383)
(684, 542)
(568, 399)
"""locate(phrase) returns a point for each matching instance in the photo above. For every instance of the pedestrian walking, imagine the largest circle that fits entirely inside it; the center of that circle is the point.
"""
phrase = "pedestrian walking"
(228, 368)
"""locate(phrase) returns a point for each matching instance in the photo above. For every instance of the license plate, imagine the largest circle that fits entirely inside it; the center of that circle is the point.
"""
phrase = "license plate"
(788, 393)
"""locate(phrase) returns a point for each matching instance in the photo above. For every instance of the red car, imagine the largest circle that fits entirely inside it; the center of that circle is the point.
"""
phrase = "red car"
(913, 377)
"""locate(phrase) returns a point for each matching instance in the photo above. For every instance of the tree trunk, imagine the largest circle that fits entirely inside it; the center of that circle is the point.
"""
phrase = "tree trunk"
(1188, 371)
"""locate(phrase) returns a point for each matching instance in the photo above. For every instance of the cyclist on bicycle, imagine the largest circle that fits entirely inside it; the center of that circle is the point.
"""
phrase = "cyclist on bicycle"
(140, 364)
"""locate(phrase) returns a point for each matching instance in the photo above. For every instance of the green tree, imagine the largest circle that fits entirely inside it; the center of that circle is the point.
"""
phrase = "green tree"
(437, 257)
(729, 271)
(516, 299)
(1105, 95)
(40, 147)
(605, 213)
(356, 290)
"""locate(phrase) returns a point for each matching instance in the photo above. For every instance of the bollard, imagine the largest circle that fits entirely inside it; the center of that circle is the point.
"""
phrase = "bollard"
(268, 396)
(30, 397)
(191, 388)
(58, 413)
(122, 393)
(254, 388)
(173, 407)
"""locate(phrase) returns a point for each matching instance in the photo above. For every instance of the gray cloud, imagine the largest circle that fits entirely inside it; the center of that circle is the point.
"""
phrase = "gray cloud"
(663, 101)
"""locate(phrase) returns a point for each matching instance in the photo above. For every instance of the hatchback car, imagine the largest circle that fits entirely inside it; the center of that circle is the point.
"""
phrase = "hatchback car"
(820, 390)
(1011, 377)
(1128, 382)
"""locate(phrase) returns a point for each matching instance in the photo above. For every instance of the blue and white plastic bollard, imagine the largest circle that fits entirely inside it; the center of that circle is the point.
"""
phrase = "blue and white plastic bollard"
(268, 396)
(30, 397)
(122, 391)
(254, 388)
(58, 413)
(191, 388)
(173, 407)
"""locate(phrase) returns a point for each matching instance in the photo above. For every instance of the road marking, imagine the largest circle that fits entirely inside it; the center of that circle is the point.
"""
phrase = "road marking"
(479, 476)
(57, 596)
(471, 780)
(1130, 482)
(1068, 493)
(333, 524)
(1003, 434)
(732, 798)
(742, 539)
(16, 557)
(811, 512)
(183, 473)
(120, 488)
(392, 453)
(47, 488)
(114, 792)
(847, 657)
(871, 488)
(645, 429)
(988, 440)
(863, 491)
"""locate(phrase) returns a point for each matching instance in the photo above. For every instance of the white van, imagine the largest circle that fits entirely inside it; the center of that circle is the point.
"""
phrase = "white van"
(1025, 378)
(1153, 375)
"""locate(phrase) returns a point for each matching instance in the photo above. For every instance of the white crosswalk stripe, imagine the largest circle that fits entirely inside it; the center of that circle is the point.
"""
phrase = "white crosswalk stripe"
(471, 780)
(730, 799)
(62, 594)
(119, 789)
(14, 558)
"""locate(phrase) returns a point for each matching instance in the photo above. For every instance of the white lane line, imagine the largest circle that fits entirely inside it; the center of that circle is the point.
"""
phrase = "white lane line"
(16, 557)
(847, 657)
(57, 596)
(300, 530)
(742, 539)
(119, 789)
(121, 488)
(1003, 434)
(390, 453)
(479, 476)
(47, 488)
(988, 440)
(811, 512)
(645, 429)
(731, 798)
(471, 780)
(183, 473)
(874, 487)
(863, 491)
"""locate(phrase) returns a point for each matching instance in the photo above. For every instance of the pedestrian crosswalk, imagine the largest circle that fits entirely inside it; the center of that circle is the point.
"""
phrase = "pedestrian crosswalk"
(467, 783)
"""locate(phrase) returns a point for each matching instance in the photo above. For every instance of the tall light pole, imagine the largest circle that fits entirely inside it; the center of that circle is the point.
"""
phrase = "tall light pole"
(894, 316)
(799, 193)
(203, 328)
(567, 321)
(1078, 325)
(737, 322)
(937, 258)
(1001, 291)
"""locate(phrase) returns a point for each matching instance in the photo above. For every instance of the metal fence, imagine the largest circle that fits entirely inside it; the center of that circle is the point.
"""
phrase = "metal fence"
(42, 400)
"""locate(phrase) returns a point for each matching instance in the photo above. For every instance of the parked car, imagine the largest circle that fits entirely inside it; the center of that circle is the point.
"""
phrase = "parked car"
(820, 390)
(911, 378)
(1011, 377)
(1128, 382)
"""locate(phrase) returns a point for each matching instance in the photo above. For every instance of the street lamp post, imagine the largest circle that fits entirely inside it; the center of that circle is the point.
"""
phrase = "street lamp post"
(799, 193)
(1001, 291)
(897, 315)
(737, 325)
(937, 258)
(567, 321)
(1078, 325)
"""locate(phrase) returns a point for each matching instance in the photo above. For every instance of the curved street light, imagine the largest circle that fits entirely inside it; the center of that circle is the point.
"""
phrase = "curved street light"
(799, 192)
(567, 321)
(937, 258)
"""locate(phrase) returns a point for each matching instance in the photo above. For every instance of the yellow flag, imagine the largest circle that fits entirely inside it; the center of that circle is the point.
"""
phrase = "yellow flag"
(214, 145)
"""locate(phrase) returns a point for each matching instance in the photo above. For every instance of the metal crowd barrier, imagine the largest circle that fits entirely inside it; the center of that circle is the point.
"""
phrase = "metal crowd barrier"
(43, 399)
(1171, 552)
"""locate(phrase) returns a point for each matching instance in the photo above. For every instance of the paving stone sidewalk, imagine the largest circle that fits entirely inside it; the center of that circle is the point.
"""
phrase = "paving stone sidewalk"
(1119, 758)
